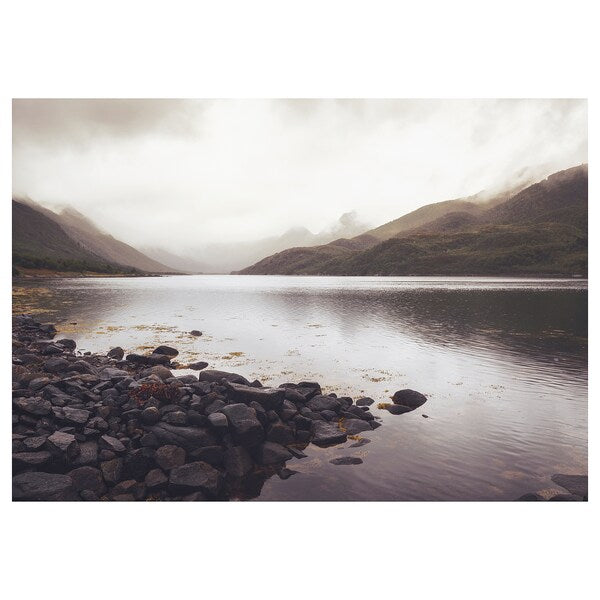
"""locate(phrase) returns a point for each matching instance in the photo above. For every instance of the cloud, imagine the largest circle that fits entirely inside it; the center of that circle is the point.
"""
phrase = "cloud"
(186, 174)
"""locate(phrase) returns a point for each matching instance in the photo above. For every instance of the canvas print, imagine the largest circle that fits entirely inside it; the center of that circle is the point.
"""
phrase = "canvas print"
(299, 300)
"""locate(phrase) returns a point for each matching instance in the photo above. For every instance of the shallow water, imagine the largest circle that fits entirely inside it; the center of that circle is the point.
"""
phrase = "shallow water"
(503, 363)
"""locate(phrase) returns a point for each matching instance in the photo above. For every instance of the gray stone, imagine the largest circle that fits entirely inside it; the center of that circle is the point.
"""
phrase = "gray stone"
(238, 462)
(268, 398)
(112, 470)
(63, 444)
(346, 460)
(88, 478)
(244, 424)
(168, 457)
(166, 350)
(111, 443)
(196, 476)
(43, 486)
(218, 376)
(409, 398)
(354, 426)
(156, 480)
(270, 453)
(56, 365)
(327, 434)
(218, 420)
(319, 403)
(576, 484)
(24, 460)
(188, 438)
(116, 353)
(34, 406)
(198, 366)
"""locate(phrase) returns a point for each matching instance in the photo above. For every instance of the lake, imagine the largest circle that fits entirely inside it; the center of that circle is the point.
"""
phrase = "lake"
(502, 361)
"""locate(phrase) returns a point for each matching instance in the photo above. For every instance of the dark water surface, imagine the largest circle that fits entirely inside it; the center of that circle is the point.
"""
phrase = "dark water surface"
(503, 363)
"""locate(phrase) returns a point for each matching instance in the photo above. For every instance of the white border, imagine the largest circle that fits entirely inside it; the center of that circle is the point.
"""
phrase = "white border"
(293, 49)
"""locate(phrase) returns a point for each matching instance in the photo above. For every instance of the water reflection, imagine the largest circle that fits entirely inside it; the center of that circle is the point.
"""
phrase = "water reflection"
(503, 362)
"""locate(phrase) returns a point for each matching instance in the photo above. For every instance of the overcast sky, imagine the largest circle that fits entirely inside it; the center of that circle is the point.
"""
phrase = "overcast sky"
(183, 173)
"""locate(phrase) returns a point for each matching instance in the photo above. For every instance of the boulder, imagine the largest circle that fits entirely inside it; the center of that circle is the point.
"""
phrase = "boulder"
(268, 398)
(156, 480)
(138, 462)
(188, 438)
(270, 453)
(34, 406)
(397, 409)
(150, 415)
(75, 416)
(319, 403)
(213, 375)
(244, 424)
(280, 433)
(238, 462)
(409, 398)
(43, 486)
(195, 332)
(346, 460)
(111, 443)
(354, 426)
(327, 434)
(196, 476)
(116, 353)
(364, 402)
(56, 365)
(88, 478)
(576, 484)
(168, 457)
(112, 470)
(197, 366)
(63, 444)
(26, 460)
(166, 350)
(218, 420)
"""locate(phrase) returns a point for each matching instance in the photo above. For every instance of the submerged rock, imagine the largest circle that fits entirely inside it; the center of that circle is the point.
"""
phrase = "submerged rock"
(346, 460)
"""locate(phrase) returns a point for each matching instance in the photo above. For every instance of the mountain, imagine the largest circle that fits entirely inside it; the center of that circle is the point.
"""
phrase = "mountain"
(85, 233)
(68, 241)
(539, 229)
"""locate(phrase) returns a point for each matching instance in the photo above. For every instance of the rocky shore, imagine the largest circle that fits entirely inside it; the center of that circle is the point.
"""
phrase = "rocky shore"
(126, 427)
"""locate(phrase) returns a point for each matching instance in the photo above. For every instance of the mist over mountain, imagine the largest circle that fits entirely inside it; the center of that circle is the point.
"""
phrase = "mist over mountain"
(541, 228)
(227, 257)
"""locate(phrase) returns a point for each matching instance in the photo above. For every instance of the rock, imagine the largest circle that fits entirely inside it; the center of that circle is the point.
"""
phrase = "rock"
(63, 445)
(218, 376)
(195, 332)
(112, 374)
(43, 486)
(161, 371)
(67, 343)
(56, 365)
(129, 487)
(166, 350)
(150, 415)
(218, 420)
(576, 484)
(34, 443)
(116, 353)
(138, 462)
(88, 454)
(286, 473)
(77, 416)
(156, 480)
(213, 455)
(280, 433)
(238, 462)
(319, 403)
(360, 442)
(25, 460)
(214, 406)
(52, 349)
(364, 402)
(34, 406)
(270, 453)
(112, 470)
(136, 359)
(198, 366)
(88, 478)
(268, 398)
(409, 398)
(529, 498)
(188, 438)
(354, 426)
(296, 453)
(346, 460)
(196, 476)
(168, 457)
(244, 424)
(111, 443)
(327, 434)
(89, 496)
(397, 409)
(566, 498)
(158, 359)
(176, 417)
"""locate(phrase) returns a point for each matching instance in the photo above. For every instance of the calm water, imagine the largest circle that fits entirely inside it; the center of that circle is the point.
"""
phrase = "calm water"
(503, 363)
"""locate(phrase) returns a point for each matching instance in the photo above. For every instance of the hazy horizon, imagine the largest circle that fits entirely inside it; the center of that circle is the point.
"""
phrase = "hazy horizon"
(195, 176)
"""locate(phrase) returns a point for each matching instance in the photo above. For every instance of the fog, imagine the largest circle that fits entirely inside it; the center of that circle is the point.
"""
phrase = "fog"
(200, 177)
